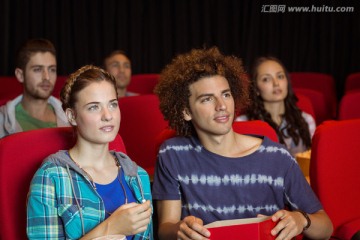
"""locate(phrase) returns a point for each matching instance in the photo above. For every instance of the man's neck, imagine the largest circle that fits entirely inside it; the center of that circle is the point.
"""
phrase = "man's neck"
(121, 92)
(232, 144)
(38, 108)
(218, 144)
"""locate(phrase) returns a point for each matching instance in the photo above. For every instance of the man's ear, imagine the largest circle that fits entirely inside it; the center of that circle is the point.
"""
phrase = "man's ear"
(19, 74)
(70, 116)
(187, 114)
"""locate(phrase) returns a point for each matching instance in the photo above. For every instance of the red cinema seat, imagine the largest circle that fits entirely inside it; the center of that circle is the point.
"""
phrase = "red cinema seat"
(349, 107)
(334, 174)
(352, 82)
(320, 82)
(318, 102)
(21, 154)
(305, 104)
(143, 83)
(141, 122)
(10, 88)
(60, 81)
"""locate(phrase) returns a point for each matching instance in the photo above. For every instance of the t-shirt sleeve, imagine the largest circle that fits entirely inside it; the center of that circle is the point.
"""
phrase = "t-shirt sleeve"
(298, 192)
(165, 185)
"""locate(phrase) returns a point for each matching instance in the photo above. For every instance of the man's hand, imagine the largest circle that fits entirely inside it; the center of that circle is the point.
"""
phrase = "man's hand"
(192, 228)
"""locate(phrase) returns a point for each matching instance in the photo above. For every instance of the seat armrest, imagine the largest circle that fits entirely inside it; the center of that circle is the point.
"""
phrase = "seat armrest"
(349, 230)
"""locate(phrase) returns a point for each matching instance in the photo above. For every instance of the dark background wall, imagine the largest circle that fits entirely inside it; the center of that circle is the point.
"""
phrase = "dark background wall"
(152, 32)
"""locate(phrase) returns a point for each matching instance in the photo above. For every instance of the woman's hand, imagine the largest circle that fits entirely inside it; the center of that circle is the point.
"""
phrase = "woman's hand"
(130, 219)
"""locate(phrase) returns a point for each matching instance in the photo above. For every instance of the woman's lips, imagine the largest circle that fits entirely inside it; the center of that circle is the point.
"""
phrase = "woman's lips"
(107, 128)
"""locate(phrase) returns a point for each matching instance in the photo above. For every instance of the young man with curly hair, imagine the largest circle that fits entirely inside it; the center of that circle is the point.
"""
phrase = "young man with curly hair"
(208, 172)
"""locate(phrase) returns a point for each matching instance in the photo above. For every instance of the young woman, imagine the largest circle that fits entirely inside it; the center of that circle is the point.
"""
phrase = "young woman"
(88, 191)
(273, 101)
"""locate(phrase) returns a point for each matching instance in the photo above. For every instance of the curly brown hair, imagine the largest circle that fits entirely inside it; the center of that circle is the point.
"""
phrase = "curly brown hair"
(185, 69)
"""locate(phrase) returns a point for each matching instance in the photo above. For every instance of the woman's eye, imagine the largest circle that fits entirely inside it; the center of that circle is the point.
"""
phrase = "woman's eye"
(93, 108)
(266, 79)
(114, 104)
(282, 76)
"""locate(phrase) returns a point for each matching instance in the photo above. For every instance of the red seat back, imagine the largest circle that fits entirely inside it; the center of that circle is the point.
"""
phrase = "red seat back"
(352, 82)
(21, 154)
(318, 102)
(141, 122)
(349, 107)
(10, 88)
(335, 168)
(305, 104)
(143, 83)
(320, 82)
(60, 81)
(3, 102)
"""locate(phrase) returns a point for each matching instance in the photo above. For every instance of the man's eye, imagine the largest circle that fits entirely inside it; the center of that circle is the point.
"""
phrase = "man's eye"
(207, 99)
(227, 95)
(114, 65)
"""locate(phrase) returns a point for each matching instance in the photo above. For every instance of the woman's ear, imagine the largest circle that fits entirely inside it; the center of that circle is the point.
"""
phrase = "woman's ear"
(187, 114)
(70, 116)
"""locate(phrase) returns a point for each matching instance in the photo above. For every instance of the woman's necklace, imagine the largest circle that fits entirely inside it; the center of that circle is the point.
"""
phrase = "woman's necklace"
(93, 183)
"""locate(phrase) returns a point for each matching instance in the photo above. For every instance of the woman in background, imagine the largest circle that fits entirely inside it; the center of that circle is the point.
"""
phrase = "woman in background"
(273, 101)
(88, 191)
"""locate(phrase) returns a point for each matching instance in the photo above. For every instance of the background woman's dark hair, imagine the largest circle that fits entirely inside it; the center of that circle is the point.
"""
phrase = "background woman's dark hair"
(297, 128)
(175, 79)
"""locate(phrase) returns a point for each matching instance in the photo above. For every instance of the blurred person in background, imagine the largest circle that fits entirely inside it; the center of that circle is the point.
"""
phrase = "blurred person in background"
(35, 108)
(118, 64)
(273, 101)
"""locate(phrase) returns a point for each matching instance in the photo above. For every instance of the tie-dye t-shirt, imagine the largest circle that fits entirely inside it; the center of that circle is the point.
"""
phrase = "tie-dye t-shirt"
(213, 187)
